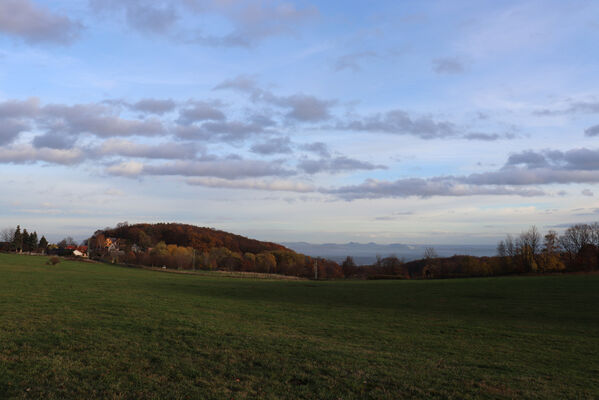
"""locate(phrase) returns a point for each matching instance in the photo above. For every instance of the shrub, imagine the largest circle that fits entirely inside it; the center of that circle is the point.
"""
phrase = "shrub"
(53, 260)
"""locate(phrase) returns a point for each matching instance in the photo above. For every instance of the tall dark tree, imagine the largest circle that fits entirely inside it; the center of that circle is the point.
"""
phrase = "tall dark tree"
(32, 242)
(43, 244)
(17, 239)
(25, 240)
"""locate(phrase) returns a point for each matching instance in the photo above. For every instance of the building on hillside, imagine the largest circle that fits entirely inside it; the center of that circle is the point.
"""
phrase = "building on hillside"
(112, 244)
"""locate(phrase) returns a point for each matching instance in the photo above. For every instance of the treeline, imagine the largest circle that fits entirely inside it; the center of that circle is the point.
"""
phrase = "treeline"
(576, 250)
(14, 240)
(187, 247)
(530, 252)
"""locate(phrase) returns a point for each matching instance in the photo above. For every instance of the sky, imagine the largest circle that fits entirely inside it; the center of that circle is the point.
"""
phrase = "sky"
(429, 122)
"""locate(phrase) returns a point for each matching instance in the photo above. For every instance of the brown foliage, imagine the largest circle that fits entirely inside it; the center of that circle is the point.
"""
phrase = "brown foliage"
(53, 260)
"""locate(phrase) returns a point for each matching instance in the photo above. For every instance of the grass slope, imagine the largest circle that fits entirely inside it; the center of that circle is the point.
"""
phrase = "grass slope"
(79, 330)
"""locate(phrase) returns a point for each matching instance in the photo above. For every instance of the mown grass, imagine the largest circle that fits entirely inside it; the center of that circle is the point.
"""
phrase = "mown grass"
(80, 330)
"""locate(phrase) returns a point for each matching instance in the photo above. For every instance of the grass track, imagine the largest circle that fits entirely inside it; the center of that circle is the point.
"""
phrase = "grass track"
(79, 330)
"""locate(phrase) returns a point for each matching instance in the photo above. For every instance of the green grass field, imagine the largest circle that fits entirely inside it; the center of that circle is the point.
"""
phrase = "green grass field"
(80, 330)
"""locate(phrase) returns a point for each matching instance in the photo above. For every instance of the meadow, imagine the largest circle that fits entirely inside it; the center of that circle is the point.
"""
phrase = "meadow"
(83, 330)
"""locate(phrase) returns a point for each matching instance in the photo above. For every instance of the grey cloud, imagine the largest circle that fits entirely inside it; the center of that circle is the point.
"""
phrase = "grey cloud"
(528, 158)
(234, 130)
(26, 154)
(97, 120)
(226, 169)
(150, 19)
(145, 16)
(587, 192)
(448, 65)
(394, 216)
(418, 187)
(306, 108)
(482, 136)
(54, 140)
(318, 148)
(524, 176)
(242, 83)
(253, 184)
(301, 107)
(59, 122)
(575, 107)
(592, 131)
(401, 123)
(280, 145)
(589, 107)
(251, 21)
(10, 129)
(522, 169)
(200, 111)
(582, 158)
(35, 24)
(190, 132)
(336, 165)
(487, 137)
(351, 61)
(19, 109)
(262, 120)
(154, 106)
(574, 159)
(176, 151)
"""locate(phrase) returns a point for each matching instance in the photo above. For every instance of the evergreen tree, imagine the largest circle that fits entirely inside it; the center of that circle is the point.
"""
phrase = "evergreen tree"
(32, 243)
(25, 241)
(17, 239)
(43, 245)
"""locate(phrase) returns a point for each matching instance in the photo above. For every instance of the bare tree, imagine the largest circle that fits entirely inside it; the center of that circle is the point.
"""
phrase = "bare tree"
(510, 248)
(501, 251)
(575, 238)
(594, 228)
(430, 253)
(531, 239)
(7, 235)
(68, 241)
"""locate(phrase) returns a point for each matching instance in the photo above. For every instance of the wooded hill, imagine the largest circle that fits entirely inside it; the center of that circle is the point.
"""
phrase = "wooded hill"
(199, 238)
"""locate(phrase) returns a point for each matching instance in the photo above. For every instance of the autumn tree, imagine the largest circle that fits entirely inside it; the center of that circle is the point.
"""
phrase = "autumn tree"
(348, 267)
(550, 260)
(266, 262)
(528, 248)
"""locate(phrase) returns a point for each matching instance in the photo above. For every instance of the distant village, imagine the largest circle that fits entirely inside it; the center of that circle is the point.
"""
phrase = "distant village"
(15, 240)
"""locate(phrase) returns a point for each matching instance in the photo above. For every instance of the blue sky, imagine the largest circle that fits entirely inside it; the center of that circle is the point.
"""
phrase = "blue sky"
(417, 122)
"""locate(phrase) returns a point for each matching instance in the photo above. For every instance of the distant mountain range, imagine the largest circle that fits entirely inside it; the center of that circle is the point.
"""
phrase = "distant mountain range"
(365, 253)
